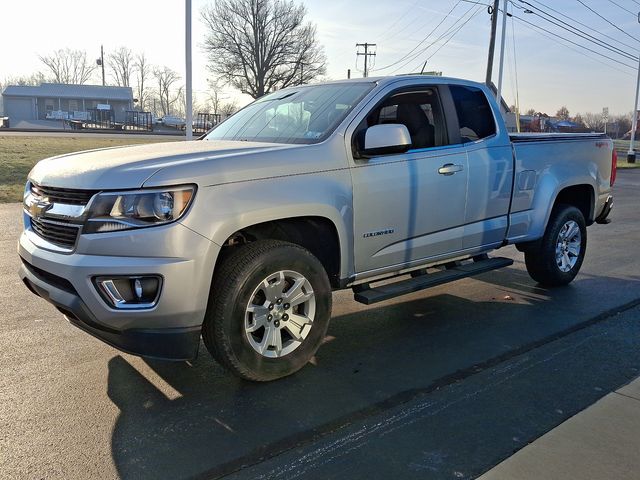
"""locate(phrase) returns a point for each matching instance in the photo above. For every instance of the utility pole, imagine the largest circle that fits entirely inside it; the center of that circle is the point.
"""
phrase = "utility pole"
(366, 55)
(631, 154)
(100, 63)
(505, 4)
(302, 64)
(189, 89)
(492, 41)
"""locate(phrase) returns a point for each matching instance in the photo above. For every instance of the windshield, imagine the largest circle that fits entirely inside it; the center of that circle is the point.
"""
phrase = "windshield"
(294, 115)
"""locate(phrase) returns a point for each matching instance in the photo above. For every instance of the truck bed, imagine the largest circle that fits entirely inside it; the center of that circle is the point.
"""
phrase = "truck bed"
(554, 137)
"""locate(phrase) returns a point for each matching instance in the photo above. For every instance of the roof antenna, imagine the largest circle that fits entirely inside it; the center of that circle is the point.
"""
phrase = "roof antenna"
(423, 66)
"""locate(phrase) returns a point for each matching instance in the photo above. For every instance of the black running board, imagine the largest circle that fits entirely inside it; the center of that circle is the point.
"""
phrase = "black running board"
(368, 295)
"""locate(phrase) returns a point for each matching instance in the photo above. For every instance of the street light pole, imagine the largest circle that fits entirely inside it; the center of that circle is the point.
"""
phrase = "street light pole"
(189, 90)
(631, 154)
(505, 4)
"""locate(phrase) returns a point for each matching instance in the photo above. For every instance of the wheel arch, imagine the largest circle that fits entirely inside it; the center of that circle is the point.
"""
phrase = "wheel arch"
(319, 234)
(580, 195)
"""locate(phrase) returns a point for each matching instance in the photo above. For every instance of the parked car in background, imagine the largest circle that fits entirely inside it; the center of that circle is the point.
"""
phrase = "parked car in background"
(200, 124)
(174, 122)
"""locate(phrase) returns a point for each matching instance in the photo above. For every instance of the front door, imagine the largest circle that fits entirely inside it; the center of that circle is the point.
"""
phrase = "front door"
(410, 206)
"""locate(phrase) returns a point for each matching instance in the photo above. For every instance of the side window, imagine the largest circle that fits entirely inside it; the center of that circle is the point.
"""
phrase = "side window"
(418, 110)
(474, 113)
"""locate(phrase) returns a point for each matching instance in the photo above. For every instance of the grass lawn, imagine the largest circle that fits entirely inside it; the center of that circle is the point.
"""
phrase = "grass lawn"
(622, 146)
(18, 154)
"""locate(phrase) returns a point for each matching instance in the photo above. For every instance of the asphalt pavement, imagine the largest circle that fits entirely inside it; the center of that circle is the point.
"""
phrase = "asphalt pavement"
(444, 383)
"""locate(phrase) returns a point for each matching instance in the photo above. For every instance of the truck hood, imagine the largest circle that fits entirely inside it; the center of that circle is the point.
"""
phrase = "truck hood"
(129, 167)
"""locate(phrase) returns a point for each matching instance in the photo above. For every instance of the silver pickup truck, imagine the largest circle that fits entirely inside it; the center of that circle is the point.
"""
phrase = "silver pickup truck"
(241, 237)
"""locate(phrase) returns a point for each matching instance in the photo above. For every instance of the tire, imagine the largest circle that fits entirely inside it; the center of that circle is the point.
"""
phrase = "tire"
(566, 232)
(243, 337)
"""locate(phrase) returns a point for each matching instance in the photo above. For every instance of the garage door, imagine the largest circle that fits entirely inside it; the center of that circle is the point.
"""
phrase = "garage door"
(18, 109)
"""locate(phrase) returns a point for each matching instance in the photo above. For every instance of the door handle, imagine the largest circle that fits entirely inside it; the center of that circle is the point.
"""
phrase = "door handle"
(449, 169)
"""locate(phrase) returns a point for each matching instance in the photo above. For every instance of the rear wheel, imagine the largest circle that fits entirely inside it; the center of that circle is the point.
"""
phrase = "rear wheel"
(269, 310)
(556, 259)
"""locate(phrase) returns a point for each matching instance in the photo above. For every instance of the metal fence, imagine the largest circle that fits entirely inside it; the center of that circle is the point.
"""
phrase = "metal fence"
(205, 121)
(142, 121)
(99, 118)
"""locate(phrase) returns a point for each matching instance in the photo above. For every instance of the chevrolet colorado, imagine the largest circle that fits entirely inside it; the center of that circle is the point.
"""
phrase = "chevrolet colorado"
(241, 236)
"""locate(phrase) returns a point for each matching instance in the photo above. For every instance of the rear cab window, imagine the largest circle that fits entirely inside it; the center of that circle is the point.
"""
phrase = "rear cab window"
(475, 115)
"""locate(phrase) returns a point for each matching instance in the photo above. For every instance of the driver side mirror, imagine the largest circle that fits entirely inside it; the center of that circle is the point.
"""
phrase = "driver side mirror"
(386, 139)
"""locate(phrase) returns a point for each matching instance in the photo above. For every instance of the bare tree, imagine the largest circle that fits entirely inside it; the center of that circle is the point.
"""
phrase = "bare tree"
(594, 121)
(229, 108)
(143, 71)
(215, 96)
(563, 113)
(121, 62)
(623, 123)
(531, 112)
(69, 66)
(259, 46)
(33, 79)
(168, 95)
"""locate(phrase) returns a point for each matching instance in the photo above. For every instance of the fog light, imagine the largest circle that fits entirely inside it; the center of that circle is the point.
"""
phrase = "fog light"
(130, 292)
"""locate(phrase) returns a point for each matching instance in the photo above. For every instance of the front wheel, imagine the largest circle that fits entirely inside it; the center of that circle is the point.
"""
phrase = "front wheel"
(269, 310)
(558, 256)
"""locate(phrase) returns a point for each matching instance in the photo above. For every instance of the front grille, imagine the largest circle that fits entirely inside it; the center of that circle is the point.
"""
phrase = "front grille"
(57, 233)
(63, 195)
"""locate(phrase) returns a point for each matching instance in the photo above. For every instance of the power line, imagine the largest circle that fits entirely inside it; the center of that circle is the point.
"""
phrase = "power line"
(443, 35)
(421, 41)
(608, 21)
(623, 8)
(580, 33)
(555, 39)
(576, 21)
(404, 14)
(454, 34)
(574, 43)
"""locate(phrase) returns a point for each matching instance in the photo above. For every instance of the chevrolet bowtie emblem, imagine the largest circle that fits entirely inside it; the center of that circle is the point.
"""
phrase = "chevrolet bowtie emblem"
(38, 207)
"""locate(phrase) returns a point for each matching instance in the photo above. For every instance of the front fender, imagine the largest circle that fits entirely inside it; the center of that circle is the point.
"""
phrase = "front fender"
(221, 210)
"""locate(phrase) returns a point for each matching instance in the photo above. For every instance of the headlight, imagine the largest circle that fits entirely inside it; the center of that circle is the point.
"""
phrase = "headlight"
(113, 211)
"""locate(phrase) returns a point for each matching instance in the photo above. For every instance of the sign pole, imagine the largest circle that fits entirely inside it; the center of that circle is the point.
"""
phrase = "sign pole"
(631, 154)
(188, 88)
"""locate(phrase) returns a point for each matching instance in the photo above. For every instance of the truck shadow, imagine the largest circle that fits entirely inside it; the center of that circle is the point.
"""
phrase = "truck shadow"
(183, 420)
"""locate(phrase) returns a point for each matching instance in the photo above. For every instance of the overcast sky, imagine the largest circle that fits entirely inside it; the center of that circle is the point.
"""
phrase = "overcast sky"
(549, 73)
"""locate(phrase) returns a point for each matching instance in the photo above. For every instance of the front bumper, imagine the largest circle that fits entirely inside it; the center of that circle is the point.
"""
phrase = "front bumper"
(166, 343)
(169, 330)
